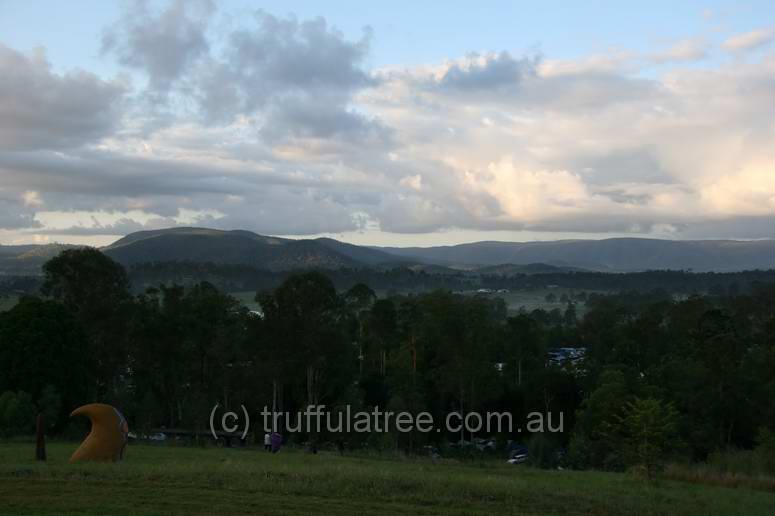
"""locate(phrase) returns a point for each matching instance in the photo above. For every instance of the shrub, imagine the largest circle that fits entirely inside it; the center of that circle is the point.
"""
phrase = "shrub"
(650, 432)
(766, 449)
(543, 451)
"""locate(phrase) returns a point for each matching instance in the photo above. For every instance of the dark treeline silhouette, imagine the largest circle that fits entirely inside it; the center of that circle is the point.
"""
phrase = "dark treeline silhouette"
(233, 278)
(404, 278)
(658, 378)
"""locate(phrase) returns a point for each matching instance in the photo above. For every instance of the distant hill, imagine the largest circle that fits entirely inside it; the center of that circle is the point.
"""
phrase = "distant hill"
(239, 247)
(614, 254)
(28, 259)
(503, 258)
(361, 254)
(510, 269)
(202, 245)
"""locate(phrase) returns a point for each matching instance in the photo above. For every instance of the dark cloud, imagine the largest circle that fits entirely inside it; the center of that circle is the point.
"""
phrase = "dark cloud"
(308, 118)
(519, 83)
(292, 79)
(283, 200)
(40, 109)
(732, 228)
(14, 214)
(299, 78)
(290, 213)
(610, 166)
(309, 55)
(487, 73)
(100, 173)
(165, 44)
(122, 226)
(11, 218)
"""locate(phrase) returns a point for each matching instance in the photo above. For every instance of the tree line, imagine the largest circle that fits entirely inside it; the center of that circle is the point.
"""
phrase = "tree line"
(658, 378)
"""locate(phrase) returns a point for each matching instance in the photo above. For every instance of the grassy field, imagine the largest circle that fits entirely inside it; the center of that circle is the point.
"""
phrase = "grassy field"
(535, 299)
(178, 480)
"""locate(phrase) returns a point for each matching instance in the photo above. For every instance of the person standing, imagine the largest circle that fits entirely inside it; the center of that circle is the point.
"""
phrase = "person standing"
(276, 441)
(267, 441)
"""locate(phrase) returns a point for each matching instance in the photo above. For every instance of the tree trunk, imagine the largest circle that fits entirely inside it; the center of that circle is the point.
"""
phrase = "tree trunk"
(40, 444)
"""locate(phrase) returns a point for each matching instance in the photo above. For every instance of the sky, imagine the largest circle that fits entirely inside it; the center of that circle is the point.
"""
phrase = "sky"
(400, 123)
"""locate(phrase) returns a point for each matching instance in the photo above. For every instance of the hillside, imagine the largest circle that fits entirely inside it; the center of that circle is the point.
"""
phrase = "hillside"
(614, 255)
(27, 259)
(238, 248)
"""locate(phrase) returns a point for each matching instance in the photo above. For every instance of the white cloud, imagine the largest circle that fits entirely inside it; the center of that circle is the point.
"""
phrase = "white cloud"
(749, 40)
(692, 49)
(32, 198)
(286, 131)
(414, 182)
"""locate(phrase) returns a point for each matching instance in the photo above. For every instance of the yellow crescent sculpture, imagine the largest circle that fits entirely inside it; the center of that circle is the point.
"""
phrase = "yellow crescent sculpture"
(108, 437)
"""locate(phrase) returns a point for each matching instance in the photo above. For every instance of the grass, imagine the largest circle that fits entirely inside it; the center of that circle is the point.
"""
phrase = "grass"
(735, 468)
(708, 475)
(535, 299)
(182, 480)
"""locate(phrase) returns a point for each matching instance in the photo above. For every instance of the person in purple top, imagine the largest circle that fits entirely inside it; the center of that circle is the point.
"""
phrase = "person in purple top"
(277, 441)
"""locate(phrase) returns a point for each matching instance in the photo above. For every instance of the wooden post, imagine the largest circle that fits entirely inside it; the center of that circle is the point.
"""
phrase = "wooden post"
(40, 443)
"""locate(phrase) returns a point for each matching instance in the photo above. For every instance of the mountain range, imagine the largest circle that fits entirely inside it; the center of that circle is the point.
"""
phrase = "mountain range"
(608, 255)
(241, 247)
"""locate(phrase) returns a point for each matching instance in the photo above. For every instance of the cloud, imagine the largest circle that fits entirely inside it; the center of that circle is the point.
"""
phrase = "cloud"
(486, 72)
(278, 125)
(583, 150)
(85, 223)
(31, 198)
(749, 40)
(615, 61)
(15, 214)
(40, 109)
(296, 78)
(529, 195)
(685, 50)
(164, 45)
(314, 118)
(291, 80)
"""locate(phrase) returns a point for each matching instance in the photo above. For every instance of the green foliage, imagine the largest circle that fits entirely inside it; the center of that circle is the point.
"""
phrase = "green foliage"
(596, 441)
(656, 371)
(85, 279)
(44, 352)
(649, 433)
(188, 352)
(544, 451)
(765, 448)
(17, 413)
(50, 405)
(96, 290)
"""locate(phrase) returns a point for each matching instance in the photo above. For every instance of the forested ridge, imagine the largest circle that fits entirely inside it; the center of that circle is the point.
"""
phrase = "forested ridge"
(689, 377)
